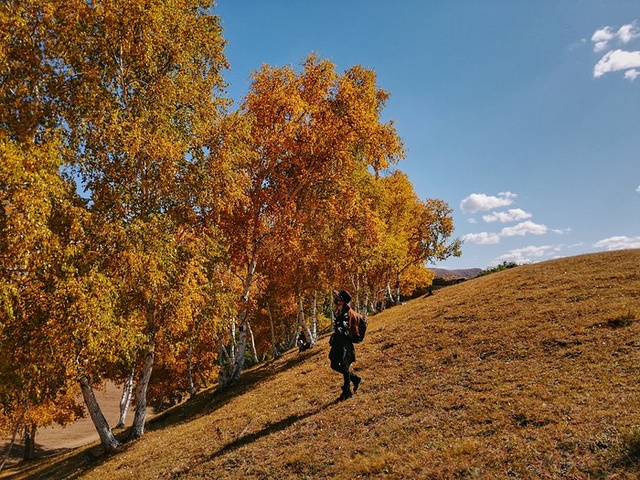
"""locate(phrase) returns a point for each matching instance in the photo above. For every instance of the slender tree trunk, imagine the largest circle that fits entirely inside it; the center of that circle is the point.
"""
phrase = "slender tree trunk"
(273, 334)
(388, 288)
(294, 337)
(303, 322)
(192, 387)
(398, 286)
(254, 352)
(243, 316)
(234, 344)
(107, 439)
(29, 441)
(314, 318)
(125, 398)
(137, 429)
(225, 363)
(13, 441)
(241, 347)
(366, 296)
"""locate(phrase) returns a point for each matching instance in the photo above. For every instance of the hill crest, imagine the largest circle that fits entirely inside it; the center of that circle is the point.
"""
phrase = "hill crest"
(465, 273)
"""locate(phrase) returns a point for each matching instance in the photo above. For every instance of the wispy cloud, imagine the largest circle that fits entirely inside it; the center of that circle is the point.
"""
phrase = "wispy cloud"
(512, 215)
(638, 189)
(524, 228)
(618, 243)
(617, 60)
(604, 37)
(479, 202)
(631, 74)
(519, 230)
(528, 254)
(482, 238)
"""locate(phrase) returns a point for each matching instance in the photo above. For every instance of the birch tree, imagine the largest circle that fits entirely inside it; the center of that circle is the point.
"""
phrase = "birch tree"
(141, 111)
(310, 130)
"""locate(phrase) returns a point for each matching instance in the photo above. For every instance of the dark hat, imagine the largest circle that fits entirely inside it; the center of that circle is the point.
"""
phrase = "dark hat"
(342, 295)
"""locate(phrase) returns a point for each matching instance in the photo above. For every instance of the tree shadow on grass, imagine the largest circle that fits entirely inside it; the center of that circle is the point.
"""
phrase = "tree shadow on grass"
(71, 465)
(207, 402)
(67, 466)
(269, 429)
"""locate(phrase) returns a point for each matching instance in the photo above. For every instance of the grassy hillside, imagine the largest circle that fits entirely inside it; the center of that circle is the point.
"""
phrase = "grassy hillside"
(532, 372)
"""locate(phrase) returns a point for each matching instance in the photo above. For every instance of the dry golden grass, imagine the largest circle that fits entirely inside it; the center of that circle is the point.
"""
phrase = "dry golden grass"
(532, 372)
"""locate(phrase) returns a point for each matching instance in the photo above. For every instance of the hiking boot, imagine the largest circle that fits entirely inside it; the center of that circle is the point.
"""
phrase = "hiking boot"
(356, 383)
(346, 393)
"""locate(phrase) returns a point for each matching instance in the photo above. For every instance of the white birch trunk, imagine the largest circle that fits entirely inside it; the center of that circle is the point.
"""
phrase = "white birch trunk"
(107, 439)
(192, 387)
(225, 363)
(234, 344)
(125, 398)
(302, 321)
(140, 416)
(366, 298)
(241, 347)
(254, 352)
(243, 315)
(388, 289)
(294, 338)
(273, 333)
(314, 319)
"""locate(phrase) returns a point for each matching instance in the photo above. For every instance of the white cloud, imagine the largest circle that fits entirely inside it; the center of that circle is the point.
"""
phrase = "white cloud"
(605, 36)
(524, 228)
(483, 238)
(638, 189)
(479, 202)
(631, 74)
(615, 61)
(473, 220)
(601, 39)
(521, 229)
(512, 215)
(628, 32)
(528, 254)
(618, 243)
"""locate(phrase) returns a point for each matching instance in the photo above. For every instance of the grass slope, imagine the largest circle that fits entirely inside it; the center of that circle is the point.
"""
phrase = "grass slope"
(527, 373)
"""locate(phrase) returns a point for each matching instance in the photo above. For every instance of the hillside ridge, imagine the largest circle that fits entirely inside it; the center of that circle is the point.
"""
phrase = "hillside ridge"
(465, 273)
(527, 373)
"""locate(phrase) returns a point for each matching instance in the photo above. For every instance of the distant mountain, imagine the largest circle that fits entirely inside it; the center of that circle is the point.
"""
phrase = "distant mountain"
(466, 273)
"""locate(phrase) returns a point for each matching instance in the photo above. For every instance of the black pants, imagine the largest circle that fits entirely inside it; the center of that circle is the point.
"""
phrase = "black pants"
(342, 355)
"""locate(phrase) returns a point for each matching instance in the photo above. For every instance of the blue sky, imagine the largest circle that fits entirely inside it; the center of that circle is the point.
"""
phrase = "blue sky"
(523, 115)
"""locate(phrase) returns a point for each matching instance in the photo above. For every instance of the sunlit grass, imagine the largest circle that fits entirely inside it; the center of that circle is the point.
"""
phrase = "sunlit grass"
(531, 372)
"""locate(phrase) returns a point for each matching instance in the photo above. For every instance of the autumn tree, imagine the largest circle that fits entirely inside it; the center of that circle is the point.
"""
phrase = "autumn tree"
(310, 130)
(416, 232)
(49, 295)
(136, 88)
(143, 120)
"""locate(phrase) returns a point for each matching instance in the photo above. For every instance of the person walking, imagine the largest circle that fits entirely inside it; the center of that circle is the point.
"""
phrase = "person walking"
(342, 353)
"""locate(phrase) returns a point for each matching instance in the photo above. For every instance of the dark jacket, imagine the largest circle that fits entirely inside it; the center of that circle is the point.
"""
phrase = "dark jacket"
(342, 353)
